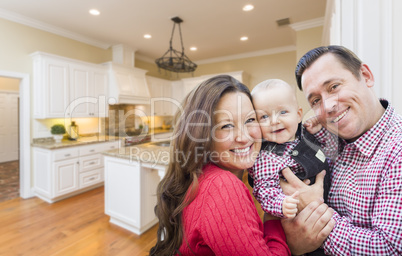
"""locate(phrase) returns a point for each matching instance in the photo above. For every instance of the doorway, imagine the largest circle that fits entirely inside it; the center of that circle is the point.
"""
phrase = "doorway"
(24, 131)
(9, 139)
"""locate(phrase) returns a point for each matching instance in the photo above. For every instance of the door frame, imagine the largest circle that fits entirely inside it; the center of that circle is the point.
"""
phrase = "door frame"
(26, 190)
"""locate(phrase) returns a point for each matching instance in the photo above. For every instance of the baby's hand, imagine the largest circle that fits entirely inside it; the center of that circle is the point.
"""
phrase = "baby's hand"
(289, 205)
(312, 125)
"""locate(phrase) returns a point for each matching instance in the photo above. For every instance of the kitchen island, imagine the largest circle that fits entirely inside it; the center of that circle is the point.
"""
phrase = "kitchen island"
(132, 175)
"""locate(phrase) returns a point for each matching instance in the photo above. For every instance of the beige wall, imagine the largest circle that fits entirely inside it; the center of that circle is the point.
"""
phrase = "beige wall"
(280, 65)
(9, 84)
(20, 41)
(306, 40)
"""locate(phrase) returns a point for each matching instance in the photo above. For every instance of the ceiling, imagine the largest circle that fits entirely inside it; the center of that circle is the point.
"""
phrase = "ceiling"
(213, 26)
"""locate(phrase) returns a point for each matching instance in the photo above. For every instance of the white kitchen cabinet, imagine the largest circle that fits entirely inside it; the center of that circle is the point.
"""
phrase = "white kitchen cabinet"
(162, 101)
(65, 88)
(65, 177)
(130, 193)
(62, 173)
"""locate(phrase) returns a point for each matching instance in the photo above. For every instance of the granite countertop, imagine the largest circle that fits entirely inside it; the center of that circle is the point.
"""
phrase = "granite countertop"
(146, 153)
(49, 143)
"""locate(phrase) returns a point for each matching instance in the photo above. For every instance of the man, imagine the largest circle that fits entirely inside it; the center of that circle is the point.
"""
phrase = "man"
(366, 177)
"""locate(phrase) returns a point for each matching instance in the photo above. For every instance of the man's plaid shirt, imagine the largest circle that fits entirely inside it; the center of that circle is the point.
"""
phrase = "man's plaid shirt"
(366, 191)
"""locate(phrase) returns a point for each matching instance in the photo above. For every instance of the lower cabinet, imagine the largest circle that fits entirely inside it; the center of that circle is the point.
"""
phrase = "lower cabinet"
(130, 193)
(65, 175)
(62, 173)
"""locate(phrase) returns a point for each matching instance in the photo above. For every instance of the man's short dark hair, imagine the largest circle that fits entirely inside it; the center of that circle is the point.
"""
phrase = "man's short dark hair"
(348, 59)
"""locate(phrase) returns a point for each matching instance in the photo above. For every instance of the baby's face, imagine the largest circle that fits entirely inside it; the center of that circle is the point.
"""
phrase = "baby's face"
(278, 113)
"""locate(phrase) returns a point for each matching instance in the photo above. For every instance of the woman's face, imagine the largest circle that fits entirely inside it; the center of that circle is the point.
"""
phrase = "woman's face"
(236, 134)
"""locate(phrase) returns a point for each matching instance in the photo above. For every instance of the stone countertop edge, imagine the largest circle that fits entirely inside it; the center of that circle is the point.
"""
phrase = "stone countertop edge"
(65, 143)
(145, 153)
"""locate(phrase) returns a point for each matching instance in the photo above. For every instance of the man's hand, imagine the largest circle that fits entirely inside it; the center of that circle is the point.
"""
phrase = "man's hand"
(308, 230)
(308, 194)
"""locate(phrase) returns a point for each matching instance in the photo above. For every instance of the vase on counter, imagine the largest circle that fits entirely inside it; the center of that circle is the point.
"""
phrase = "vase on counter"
(58, 137)
(73, 131)
(58, 131)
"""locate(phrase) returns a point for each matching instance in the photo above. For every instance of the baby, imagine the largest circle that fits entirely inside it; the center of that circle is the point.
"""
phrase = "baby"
(280, 116)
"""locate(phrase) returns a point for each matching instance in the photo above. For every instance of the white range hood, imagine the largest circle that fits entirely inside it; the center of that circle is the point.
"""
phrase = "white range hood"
(127, 84)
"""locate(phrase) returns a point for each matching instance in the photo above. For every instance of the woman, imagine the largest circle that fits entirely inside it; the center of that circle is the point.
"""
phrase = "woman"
(203, 206)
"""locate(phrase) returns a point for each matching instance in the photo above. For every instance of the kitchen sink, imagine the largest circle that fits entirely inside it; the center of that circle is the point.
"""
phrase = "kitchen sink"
(161, 143)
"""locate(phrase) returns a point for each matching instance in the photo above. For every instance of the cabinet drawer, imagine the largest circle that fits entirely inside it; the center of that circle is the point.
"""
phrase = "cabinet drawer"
(65, 154)
(87, 150)
(91, 162)
(90, 178)
(110, 145)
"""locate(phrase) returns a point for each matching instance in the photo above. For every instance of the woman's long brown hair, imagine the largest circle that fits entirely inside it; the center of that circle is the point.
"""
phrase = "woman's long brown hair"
(189, 152)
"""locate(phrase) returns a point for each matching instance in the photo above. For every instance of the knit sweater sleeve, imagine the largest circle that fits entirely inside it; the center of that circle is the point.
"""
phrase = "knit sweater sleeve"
(231, 224)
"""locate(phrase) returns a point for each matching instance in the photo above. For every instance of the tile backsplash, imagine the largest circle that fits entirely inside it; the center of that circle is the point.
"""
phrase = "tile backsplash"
(122, 118)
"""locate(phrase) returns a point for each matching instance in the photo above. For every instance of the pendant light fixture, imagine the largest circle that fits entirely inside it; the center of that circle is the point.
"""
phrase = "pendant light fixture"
(174, 60)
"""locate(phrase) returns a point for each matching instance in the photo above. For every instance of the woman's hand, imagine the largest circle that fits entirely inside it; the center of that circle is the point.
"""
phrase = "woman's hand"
(308, 230)
(308, 194)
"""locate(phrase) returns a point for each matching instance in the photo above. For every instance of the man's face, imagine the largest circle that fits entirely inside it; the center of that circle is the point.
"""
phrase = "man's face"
(341, 102)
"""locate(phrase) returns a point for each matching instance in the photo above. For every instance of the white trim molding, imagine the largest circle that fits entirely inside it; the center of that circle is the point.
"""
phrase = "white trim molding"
(25, 132)
(289, 48)
(307, 24)
(18, 18)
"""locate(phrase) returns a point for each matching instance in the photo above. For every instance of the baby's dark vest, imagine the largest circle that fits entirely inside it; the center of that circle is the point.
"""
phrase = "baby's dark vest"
(308, 153)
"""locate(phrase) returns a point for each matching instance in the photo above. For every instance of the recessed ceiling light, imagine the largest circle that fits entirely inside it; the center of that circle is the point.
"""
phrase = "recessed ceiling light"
(94, 12)
(244, 38)
(147, 36)
(248, 7)
(193, 48)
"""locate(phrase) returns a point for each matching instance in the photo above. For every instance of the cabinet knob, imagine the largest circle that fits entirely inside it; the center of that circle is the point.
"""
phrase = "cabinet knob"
(66, 155)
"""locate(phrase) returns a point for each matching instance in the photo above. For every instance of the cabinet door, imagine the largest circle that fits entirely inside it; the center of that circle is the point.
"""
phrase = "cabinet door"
(99, 83)
(161, 94)
(177, 96)
(167, 95)
(66, 176)
(156, 91)
(80, 89)
(58, 93)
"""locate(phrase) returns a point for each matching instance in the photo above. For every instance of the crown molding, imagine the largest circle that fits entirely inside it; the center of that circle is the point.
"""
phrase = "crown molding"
(271, 51)
(307, 24)
(18, 18)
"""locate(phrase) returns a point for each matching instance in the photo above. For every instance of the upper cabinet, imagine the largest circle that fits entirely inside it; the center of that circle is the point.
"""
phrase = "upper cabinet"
(161, 102)
(66, 88)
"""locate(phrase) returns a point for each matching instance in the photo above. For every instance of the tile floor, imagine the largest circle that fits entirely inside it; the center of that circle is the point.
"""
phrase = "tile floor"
(9, 180)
